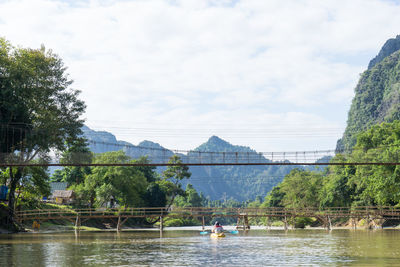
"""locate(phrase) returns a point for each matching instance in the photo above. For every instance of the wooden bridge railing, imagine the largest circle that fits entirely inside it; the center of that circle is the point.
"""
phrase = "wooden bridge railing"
(333, 212)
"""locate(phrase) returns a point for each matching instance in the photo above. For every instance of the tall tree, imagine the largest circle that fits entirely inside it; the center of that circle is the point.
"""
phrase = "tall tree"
(378, 184)
(172, 177)
(76, 153)
(301, 188)
(126, 185)
(190, 199)
(14, 117)
(39, 110)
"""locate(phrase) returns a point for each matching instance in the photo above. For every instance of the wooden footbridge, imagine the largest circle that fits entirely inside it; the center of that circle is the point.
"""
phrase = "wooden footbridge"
(120, 216)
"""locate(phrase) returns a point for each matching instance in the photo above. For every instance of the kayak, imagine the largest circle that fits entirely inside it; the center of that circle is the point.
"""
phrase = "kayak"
(217, 235)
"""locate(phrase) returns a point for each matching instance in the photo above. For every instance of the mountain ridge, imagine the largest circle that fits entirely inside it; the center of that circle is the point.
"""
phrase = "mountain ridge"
(377, 95)
(216, 182)
(391, 45)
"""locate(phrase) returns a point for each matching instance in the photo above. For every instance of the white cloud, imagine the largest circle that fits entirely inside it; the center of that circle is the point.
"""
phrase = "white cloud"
(237, 65)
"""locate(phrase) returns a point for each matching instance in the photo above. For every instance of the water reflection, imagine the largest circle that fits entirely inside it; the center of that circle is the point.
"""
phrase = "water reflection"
(188, 248)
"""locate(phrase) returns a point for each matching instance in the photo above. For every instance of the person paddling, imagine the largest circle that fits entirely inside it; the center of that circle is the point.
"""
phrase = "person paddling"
(217, 228)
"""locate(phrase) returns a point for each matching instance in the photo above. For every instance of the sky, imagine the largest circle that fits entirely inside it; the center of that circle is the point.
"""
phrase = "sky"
(272, 75)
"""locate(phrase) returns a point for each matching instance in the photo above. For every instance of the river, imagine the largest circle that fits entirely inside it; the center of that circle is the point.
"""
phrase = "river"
(177, 247)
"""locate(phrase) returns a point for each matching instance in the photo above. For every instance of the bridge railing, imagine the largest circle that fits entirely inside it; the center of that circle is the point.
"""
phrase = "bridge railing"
(90, 213)
(354, 212)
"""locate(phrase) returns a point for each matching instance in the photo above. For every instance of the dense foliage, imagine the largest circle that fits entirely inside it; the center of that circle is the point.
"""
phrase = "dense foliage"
(349, 185)
(377, 98)
(39, 112)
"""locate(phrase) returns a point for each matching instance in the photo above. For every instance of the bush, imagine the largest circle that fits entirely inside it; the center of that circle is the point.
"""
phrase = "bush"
(302, 222)
(174, 222)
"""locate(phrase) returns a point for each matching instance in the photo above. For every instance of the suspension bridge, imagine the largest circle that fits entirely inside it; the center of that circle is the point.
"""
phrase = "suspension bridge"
(161, 157)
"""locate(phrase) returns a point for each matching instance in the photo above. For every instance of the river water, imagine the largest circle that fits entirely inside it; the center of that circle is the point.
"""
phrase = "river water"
(309, 247)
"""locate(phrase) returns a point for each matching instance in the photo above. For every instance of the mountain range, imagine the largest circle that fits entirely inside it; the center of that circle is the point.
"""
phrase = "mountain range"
(216, 182)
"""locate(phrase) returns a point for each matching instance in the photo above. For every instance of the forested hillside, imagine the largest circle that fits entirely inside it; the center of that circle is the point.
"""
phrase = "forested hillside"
(377, 94)
(348, 185)
(239, 182)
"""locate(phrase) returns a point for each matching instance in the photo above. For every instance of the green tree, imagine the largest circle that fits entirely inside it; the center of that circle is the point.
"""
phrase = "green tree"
(35, 98)
(378, 184)
(126, 185)
(274, 198)
(190, 198)
(33, 186)
(14, 117)
(338, 190)
(148, 171)
(367, 184)
(155, 196)
(301, 189)
(171, 178)
(77, 152)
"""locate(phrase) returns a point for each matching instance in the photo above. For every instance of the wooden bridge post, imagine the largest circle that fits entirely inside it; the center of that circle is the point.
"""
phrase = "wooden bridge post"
(286, 224)
(77, 223)
(119, 223)
(328, 223)
(268, 223)
(161, 224)
(203, 227)
(354, 223)
(246, 223)
(367, 222)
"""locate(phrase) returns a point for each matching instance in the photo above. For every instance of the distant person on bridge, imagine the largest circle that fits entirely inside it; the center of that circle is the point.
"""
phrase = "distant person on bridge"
(217, 228)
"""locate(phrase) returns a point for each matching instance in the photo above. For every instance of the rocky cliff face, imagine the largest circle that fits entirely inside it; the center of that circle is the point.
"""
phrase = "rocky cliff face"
(392, 45)
(377, 94)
